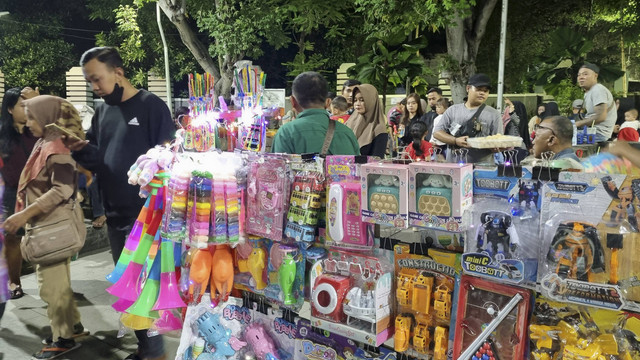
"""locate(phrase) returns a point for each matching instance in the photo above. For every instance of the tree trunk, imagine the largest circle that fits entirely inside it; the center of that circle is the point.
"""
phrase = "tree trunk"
(175, 11)
(463, 41)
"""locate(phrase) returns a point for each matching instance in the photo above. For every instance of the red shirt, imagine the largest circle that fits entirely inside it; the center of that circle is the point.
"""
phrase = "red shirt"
(425, 147)
(341, 118)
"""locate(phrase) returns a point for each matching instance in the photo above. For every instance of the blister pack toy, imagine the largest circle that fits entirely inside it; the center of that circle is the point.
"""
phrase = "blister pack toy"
(351, 296)
(502, 245)
(345, 227)
(384, 194)
(439, 193)
(251, 259)
(216, 332)
(491, 320)
(589, 238)
(425, 289)
(520, 188)
(285, 275)
(269, 336)
(304, 206)
(267, 197)
(560, 330)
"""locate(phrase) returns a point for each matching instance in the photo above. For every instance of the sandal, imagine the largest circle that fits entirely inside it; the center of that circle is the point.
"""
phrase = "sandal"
(58, 348)
(99, 222)
(17, 293)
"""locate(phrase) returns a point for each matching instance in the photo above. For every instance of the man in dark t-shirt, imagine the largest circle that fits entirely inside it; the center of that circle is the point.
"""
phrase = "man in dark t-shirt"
(127, 125)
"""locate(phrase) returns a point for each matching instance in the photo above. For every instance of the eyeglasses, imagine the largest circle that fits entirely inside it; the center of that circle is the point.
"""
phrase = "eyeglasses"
(538, 127)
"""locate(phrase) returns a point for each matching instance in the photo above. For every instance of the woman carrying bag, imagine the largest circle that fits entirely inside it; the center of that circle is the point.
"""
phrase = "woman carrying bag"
(46, 207)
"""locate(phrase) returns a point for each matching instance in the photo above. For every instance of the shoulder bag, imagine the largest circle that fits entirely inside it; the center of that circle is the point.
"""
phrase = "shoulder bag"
(471, 127)
(59, 236)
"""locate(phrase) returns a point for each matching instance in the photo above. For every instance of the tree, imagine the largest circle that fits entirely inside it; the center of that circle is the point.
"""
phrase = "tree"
(391, 61)
(33, 48)
(234, 28)
(464, 36)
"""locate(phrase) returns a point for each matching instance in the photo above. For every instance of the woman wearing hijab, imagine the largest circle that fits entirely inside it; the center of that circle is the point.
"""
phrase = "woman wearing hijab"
(47, 183)
(368, 121)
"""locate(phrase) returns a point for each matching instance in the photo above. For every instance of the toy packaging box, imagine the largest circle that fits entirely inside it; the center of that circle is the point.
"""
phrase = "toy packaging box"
(590, 238)
(561, 330)
(351, 296)
(524, 190)
(439, 193)
(313, 344)
(425, 289)
(340, 168)
(491, 320)
(384, 194)
(267, 332)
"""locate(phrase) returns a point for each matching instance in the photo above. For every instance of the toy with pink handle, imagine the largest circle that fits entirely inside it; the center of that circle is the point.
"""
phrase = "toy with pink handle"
(127, 287)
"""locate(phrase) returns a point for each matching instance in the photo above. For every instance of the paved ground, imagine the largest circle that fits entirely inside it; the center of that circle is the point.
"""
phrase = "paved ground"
(25, 322)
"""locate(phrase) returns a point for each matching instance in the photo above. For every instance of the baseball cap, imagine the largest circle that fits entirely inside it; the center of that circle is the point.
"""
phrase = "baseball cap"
(577, 103)
(479, 80)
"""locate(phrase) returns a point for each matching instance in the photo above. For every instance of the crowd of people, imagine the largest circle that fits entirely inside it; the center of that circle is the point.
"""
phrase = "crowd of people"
(416, 129)
(40, 166)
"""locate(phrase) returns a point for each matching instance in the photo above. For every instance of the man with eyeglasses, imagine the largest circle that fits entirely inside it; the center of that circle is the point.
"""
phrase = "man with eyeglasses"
(473, 118)
(553, 135)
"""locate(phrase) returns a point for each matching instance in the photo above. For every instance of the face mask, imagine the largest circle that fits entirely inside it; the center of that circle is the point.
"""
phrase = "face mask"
(115, 97)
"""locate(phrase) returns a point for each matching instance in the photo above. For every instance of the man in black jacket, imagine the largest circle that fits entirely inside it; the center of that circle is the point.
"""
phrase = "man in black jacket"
(129, 123)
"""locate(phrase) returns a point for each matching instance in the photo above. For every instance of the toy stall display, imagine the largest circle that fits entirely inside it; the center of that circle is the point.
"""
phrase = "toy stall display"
(501, 244)
(351, 296)
(491, 321)
(384, 194)
(589, 240)
(439, 194)
(425, 289)
(345, 227)
(560, 330)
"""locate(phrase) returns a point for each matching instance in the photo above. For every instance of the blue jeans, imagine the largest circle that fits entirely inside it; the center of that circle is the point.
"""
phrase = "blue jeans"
(600, 138)
(118, 230)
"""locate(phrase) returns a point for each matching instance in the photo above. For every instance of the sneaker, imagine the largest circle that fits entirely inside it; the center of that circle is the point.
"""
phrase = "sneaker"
(78, 331)
(58, 348)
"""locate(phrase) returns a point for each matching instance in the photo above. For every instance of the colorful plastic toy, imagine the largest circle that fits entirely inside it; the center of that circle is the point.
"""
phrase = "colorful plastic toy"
(497, 236)
(287, 275)
(403, 333)
(262, 344)
(576, 250)
(256, 264)
(215, 334)
(433, 196)
(221, 273)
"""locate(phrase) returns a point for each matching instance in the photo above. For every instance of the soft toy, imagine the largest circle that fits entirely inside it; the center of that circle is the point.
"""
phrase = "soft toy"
(387, 180)
(437, 181)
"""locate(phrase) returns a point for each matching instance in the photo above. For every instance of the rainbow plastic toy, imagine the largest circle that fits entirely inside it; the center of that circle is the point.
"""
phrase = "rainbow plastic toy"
(169, 295)
(128, 285)
(132, 241)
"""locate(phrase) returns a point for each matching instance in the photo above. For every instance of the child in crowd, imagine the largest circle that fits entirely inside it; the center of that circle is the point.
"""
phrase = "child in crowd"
(339, 107)
(419, 149)
(441, 106)
(629, 128)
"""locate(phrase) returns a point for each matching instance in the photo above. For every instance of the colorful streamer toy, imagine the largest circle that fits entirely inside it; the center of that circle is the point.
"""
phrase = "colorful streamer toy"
(200, 127)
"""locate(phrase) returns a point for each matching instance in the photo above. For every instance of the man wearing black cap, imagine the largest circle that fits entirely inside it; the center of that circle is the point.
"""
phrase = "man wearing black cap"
(598, 102)
(472, 119)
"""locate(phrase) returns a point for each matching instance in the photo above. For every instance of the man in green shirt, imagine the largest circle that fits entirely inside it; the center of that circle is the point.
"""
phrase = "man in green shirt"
(307, 132)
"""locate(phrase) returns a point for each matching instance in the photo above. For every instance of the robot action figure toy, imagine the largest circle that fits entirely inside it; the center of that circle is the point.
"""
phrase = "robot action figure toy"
(497, 235)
